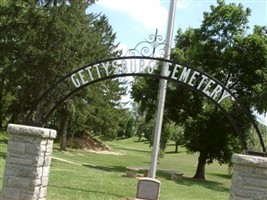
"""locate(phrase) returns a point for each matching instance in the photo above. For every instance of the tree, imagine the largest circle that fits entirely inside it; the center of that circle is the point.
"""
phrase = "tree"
(43, 40)
(33, 40)
(78, 3)
(64, 112)
(96, 113)
(213, 47)
(221, 48)
(177, 135)
(129, 128)
(221, 34)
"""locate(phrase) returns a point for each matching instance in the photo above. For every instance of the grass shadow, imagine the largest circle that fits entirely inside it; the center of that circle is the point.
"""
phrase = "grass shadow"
(134, 150)
(227, 176)
(3, 155)
(3, 140)
(107, 168)
(173, 152)
(144, 141)
(3, 137)
(188, 181)
(117, 169)
(161, 174)
(121, 138)
(56, 149)
(85, 190)
(212, 185)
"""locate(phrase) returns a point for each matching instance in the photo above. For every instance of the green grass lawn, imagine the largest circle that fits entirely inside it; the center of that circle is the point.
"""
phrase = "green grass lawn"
(102, 176)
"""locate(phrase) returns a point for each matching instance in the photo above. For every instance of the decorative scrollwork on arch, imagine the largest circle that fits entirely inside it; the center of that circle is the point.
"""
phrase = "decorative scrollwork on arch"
(154, 46)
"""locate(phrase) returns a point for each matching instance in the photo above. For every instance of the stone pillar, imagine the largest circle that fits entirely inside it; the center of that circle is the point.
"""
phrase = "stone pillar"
(27, 162)
(249, 180)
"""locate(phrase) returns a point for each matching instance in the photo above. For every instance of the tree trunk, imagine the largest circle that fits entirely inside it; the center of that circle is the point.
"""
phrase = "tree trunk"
(176, 147)
(163, 144)
(1, 111)
(63, 130)
(1, 122)
(200, 173)
(65, 112)
(64, 124)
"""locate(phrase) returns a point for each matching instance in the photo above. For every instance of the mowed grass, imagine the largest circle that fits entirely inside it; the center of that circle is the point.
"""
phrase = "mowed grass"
(81, 175)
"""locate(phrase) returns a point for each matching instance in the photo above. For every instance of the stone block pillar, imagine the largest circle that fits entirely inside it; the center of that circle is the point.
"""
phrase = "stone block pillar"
(27, 162)
(249, 180)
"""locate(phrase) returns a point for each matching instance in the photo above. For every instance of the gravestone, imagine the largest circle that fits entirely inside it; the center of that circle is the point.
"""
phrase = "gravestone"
(148, 189)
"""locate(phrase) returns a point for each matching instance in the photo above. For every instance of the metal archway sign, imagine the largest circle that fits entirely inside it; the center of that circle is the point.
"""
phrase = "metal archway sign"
(190, 77)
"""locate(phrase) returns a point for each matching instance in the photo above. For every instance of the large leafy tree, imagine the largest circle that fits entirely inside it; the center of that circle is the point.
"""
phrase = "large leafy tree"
(222, 48)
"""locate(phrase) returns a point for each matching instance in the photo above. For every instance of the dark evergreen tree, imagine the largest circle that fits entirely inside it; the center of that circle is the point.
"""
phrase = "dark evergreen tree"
(42, 41)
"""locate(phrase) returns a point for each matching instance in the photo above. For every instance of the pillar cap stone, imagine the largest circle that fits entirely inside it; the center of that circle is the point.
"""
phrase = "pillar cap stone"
(31, 131)
(249, 160)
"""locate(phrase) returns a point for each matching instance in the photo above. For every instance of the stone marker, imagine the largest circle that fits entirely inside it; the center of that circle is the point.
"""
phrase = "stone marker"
(131, 172)
(148, 189)
(27, 162)
(249, 180)
(177, 176)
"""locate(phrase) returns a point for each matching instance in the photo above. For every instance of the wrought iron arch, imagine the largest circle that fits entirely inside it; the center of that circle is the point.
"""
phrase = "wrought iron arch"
(66, 87)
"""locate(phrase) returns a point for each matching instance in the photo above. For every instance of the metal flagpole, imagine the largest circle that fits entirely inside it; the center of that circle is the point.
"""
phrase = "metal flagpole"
(162, 91)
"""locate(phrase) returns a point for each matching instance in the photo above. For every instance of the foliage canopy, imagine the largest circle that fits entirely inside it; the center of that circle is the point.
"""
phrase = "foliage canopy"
(222, 48)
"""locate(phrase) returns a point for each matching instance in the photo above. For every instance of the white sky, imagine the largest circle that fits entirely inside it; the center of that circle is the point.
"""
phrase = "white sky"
(134, 20)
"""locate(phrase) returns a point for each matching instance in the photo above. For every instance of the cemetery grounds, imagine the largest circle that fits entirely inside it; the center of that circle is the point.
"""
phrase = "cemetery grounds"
(82, 174)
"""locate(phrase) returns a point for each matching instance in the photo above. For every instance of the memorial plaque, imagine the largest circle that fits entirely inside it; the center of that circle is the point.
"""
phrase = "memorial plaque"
(148, 189)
